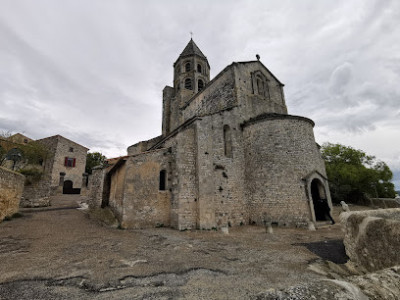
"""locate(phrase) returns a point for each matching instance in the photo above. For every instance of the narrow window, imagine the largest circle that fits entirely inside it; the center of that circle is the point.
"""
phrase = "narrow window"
(260, 86)
(187, 67)
(188, 84)
(227, 141)
(199, 68)
(200, 85)
(71, 149)
(163, 178)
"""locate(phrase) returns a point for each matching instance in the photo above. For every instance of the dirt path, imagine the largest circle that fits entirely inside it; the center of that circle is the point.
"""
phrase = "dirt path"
(58, 253)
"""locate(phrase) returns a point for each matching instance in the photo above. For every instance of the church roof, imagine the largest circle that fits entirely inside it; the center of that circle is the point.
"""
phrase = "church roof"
(192, 49)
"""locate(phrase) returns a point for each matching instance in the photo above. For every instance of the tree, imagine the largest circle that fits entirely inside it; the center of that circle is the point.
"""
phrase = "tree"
(31, 153)
(354, 175)
(93, 160)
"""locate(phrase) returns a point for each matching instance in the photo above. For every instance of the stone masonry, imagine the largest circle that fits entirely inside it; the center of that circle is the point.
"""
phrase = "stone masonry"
(11, 187)
(229, 154)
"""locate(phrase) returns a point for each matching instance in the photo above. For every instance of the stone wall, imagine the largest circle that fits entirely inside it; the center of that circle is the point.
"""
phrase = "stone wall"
(11, 187)
(144, 204)
(216, 97)
(96, 187)
(372, 238)
(279, 152)
(382, 202)
(251, 103)
(37, 194)
(221, 176)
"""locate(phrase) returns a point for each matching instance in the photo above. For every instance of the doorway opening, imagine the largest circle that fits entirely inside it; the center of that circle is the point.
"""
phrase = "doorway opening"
(68, 188)
(320, 201)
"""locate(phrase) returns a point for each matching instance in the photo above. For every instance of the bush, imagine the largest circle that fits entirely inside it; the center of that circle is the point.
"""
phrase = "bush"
(32, 175)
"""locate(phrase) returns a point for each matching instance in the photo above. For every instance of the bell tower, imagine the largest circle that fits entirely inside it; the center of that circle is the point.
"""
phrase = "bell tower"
(191, 72)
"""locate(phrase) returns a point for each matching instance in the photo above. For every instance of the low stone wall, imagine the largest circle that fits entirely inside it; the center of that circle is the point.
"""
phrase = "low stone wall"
(372, 237)
(384, 202)
(36, 194)
(11, 187)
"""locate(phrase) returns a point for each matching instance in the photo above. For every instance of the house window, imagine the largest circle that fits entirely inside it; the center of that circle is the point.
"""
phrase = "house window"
(25, 141)
(163, 180)
(188, 84)
(71, 149)
(69, 162)
(227, 141)
(199, 68)
(200, 85)
(187, 67)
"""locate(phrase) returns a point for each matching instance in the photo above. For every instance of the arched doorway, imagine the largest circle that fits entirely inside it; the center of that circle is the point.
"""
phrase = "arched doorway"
(320, 201)
(68, 187)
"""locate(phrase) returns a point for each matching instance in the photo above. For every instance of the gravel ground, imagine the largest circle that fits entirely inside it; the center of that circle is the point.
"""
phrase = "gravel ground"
(59, 253)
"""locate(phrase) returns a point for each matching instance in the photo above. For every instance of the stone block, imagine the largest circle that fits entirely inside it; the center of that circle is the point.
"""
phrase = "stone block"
(372, 238)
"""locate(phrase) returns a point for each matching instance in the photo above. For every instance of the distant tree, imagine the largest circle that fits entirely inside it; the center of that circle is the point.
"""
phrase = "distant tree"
(353, 174)
(32, 153)
(93, 160)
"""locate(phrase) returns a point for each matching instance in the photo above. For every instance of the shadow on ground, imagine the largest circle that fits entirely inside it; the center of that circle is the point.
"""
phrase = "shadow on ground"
(332, 250)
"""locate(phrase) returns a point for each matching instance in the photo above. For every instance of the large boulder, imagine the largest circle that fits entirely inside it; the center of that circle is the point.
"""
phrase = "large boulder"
(372, 238)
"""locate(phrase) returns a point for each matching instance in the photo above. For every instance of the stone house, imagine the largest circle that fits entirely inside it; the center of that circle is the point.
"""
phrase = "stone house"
(62, 172)
(229, 154)
(66, 165)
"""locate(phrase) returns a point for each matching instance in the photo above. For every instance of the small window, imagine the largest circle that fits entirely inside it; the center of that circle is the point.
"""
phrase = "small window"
(200, 85)
(187, 67)
(188, 84)
(71, 149)
(163, 177)
(260, 86)
(25, 141)
(69, 162)
(199, 68)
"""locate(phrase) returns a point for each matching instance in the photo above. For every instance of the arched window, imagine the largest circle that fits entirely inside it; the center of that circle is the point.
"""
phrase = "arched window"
(200, 84)
(227, 141)
(163, 180)
(187, 67)
(188, 84)
(199, 68)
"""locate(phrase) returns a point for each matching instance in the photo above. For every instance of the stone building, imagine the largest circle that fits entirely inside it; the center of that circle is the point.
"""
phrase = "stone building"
(62, 172)
(229, 154)
(66, 165)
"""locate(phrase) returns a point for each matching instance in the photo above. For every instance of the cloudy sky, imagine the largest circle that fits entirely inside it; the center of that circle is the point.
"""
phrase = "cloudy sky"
(93, 70)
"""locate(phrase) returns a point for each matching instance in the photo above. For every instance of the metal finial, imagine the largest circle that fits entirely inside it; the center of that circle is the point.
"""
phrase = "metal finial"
(258, 57)
(191, 35)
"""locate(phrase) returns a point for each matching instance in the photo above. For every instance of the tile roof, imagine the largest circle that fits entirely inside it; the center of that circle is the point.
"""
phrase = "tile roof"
(192, 49)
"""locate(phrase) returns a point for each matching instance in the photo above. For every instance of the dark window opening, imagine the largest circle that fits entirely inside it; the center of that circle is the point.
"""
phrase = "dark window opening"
(187, 67)
(71, 149)
(25, 141)
(199, 68)
(200, 85)
(188, 84)
(163, 181)
(69, 162)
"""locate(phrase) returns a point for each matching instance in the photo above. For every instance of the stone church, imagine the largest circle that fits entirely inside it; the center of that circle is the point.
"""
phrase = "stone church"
(229, 155)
